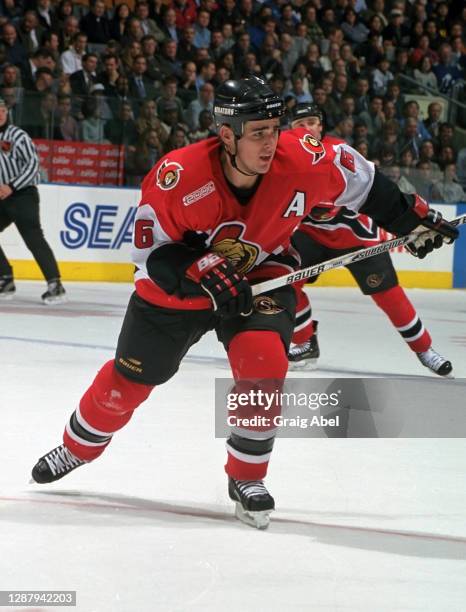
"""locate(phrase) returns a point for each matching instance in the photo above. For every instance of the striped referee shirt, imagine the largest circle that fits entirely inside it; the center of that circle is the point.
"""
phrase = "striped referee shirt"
(19, 163)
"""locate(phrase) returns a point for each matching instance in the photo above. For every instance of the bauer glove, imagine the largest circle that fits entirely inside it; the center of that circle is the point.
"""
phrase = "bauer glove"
(230, 293)
(432, 232)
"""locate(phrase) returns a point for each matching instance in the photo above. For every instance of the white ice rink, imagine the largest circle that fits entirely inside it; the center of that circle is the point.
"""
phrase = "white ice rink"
(361, 525)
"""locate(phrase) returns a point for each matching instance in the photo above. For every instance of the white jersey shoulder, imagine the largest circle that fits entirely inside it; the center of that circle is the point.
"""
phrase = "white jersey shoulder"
(357, 173)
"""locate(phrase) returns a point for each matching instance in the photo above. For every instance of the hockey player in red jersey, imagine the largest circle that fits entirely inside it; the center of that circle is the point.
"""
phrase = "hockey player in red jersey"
(213, 218)
(330, 231)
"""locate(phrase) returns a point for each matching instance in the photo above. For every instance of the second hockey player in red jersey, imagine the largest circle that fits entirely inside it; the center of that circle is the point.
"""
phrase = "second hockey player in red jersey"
(330, 231)
(213, 218)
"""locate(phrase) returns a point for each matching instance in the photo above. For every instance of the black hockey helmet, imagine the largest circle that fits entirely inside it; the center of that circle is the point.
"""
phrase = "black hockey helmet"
(250, 99)
(306, 109)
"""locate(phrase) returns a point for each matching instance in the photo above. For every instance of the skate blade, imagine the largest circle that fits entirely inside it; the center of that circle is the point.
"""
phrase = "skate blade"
(56, 300)
(259, 520)
(305, 364)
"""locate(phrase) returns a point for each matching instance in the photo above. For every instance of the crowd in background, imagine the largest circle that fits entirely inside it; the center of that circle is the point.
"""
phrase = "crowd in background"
(143, 74)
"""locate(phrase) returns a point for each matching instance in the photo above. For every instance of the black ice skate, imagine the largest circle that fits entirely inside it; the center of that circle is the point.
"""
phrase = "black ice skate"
(55, 293)
(7, 287)
(253, 502)
(54, 465)
(304, 356)
(435, 362)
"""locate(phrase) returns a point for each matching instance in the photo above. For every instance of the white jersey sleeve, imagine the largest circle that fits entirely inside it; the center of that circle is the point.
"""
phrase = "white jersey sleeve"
(357, 173)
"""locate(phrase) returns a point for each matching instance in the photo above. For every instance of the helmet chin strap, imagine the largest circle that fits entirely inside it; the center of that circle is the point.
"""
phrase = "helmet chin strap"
(233, 160)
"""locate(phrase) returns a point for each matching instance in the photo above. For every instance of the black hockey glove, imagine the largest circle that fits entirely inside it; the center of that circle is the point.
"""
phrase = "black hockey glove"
(432, 232)
(230, 293)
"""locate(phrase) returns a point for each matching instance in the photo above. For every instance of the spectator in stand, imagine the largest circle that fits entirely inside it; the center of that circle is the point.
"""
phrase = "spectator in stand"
(217, 44)
(122, 130)
(187, 90)
(109, 76)
(446, 136)
(355, 31)
(205, 129)
(374, 117)
(13, 97)
(407, 161)
(289, 54)
(205, 102)
(69, 30)
(11, 76)
(148, 25)
(119, 20)
(95, 24)
(65, 9)
(15, 52)
(168, 62)
(448, 189)
(396, 31)
(206, 73)
(427, 154)
(424, 74)
(140, 86)
(343, 130)
(446, 72)
(169, 94)
(381, 77)
(41, 121)
(186, 47)
(446, 155)
(29, 32)
(149, 50)
(47, 18)
(169, 28)
(82, 80)
(148, 120)
(411, 109)
(362, 147)
(314, 31)
(394, 173)
(39, 59)
(141, 160)
(377, 7)
(133, 32)
(186, 11)
(422, 180)
(178, 138)
(423, 50)
(66, 126)
(92, 125)
(51, 42)
(201, 27)
(71, 59)
(361, 95)
(410, 137)
(401, 65)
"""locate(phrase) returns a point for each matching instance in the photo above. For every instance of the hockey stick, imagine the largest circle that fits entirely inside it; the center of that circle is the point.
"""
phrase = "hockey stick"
(337, 262)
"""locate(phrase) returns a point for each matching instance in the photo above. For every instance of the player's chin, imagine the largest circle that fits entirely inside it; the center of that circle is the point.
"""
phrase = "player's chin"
(263, 164)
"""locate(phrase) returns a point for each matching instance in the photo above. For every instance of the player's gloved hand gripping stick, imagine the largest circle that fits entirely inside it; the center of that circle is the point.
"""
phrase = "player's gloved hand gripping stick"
(230, 293)
(420, 242)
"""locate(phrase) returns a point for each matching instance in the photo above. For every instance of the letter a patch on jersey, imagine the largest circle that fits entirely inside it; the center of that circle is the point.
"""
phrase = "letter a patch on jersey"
(297, 206)
(313, 146)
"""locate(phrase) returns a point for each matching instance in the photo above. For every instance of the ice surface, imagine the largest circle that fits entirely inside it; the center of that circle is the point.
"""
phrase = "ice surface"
(361, 525)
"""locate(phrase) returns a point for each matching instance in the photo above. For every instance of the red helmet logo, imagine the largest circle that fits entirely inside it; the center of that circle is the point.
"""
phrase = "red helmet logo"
(312, 146)
(168, 175)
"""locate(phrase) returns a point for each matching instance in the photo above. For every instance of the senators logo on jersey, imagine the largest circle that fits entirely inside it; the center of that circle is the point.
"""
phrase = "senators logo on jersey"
(227, 242)
(313, 146)
(168, 174)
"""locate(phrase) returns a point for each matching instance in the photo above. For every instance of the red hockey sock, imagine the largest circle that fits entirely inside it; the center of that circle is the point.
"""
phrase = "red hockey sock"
(261, 356)
(105, 407)
(396, 305)
(304, 328)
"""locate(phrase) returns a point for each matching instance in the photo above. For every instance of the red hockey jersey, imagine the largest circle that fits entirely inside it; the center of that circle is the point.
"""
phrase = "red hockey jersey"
(338, 227)
(187, 191)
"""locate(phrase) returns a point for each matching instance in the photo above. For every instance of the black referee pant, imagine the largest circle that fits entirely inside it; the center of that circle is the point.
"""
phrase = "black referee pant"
(22, 209)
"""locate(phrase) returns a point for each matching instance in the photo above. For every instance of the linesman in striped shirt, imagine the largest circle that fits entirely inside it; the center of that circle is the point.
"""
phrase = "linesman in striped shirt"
(19, 204)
